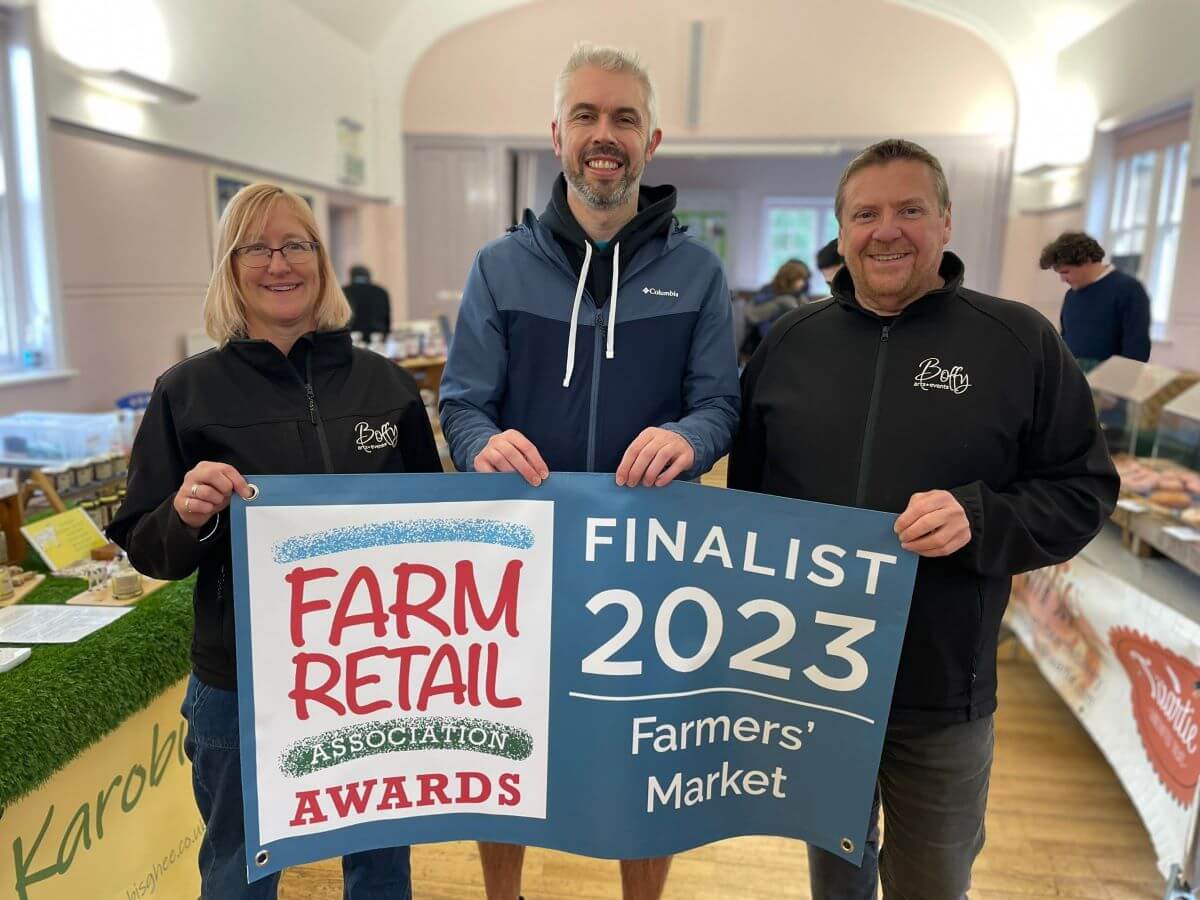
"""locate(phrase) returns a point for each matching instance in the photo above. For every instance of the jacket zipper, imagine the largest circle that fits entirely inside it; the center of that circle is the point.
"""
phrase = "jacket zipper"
(314, 414)
(864, 465)
(593, 410)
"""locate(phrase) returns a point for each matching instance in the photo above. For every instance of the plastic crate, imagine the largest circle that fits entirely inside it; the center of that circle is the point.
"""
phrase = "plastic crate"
(45, 438)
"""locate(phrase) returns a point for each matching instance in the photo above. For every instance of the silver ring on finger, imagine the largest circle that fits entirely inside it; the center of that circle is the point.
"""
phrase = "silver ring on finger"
(187, 505)
(195, 487)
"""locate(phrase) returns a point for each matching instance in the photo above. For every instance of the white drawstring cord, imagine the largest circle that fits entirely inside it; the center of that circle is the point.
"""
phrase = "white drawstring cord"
(587, 261)
(612, 301)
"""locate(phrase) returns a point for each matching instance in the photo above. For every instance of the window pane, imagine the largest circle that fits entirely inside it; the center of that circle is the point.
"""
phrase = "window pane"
(1166, 186)
(1118, 198)
(830, 230)
(1164, 273)
(1141, 186)
(1181, 179)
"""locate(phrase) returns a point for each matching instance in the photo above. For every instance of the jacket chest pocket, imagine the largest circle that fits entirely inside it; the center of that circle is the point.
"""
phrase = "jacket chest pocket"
(265, 448)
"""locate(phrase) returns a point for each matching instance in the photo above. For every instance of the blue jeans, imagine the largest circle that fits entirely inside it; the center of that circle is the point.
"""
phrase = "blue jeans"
(212, 746)
(933, 786)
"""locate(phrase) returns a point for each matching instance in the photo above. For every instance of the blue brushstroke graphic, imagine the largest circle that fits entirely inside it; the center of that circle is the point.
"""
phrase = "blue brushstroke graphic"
(417, 531)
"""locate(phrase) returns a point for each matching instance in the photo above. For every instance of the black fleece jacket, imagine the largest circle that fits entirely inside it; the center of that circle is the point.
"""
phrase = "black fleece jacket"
(960, 392)
(324, 408)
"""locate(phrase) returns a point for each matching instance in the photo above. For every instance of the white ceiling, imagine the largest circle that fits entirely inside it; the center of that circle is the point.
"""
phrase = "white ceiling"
(362, 21)
(1010, 26)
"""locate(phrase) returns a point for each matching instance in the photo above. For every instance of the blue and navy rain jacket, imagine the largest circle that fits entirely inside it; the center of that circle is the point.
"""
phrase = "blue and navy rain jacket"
(534, 352)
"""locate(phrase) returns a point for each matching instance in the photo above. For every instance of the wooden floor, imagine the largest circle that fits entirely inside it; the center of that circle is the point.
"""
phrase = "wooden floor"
(1059, 825)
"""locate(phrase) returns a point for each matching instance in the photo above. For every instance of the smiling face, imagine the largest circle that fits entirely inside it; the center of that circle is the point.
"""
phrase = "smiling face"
(892, 234)
(603, 137)
(281, 295)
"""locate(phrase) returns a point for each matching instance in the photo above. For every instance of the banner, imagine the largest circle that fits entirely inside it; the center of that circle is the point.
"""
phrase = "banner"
(1125, 664)
(118, 822)
(609, 671)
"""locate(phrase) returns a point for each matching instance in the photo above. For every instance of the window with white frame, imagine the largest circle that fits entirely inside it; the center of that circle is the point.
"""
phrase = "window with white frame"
(29, 343)
(796, 228)
(1144, 220)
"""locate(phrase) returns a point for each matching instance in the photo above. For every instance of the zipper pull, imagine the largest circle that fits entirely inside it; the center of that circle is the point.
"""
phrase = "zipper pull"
(312, 404)
(600, 324)
(883, 337)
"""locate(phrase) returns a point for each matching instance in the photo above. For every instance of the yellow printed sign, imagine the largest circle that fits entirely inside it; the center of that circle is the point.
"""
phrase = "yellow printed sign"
(119, 821)
(64, 539)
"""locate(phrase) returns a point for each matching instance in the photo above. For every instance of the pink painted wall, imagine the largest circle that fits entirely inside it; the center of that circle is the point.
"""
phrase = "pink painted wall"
(1181, 348)
(134, 261)
(1020, 277)
(772, 68)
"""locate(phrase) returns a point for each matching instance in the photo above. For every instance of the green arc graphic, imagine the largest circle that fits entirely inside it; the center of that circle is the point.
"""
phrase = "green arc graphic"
(342, 745)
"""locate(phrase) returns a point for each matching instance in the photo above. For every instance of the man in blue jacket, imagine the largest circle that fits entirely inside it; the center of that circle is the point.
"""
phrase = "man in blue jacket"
(597, 337)
(1106, 312)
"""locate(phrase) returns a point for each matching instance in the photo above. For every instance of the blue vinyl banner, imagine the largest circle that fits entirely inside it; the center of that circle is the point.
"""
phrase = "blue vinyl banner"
(617, 672)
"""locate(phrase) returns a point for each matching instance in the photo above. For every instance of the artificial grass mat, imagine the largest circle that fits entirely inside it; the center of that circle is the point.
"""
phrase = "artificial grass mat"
(65, 697)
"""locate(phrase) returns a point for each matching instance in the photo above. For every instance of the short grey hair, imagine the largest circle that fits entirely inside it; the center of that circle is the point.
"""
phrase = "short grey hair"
(610, 59)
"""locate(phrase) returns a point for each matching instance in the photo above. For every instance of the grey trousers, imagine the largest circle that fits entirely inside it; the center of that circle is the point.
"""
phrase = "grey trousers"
(933, 784)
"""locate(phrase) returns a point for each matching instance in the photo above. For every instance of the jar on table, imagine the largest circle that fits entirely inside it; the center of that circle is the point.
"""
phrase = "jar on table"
(102, 468)
(126, 581)
(120, 463)
(92, 508)
(85, 471)
(6, 586)
(62, 478)
(111, 504)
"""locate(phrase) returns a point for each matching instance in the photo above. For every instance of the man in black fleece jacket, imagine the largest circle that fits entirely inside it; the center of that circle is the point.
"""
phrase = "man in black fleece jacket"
(966, 414)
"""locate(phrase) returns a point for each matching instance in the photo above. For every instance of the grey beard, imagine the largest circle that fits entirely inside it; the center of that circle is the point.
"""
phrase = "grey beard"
(594, 198)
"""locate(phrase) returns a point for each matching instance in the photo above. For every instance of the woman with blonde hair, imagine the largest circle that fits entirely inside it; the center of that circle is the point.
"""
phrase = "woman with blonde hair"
(283, 393)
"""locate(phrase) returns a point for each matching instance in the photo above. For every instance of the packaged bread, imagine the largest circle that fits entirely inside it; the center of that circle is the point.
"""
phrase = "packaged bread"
(1171, 499)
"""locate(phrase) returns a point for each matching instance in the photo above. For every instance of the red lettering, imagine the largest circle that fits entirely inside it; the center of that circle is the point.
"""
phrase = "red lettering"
(355, 798)
(298, 578)
(308, 809)
(354, 681)
(510, 789)
(433, 784)
(393, 794)
(342, 619)
(454, 685)
(404, 677)
(301, 694)
(466, 591)
(473, 653)
(483, 791)
(402, 609)
(489, 685)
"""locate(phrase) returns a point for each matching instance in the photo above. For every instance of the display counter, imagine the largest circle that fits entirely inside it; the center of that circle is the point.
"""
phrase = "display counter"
(95, 792)
(1118, 636)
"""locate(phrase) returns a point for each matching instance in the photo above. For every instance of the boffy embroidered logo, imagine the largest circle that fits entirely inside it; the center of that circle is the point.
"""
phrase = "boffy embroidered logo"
(933, 376)
(368, 438)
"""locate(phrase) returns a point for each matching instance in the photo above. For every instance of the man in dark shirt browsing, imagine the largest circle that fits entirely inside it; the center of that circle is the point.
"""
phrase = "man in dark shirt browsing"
(1106, 312)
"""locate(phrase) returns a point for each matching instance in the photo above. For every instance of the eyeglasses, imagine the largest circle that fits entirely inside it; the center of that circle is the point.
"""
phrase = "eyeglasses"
(258, 256)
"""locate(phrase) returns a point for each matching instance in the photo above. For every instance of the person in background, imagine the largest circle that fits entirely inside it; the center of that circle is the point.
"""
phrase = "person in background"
(370, 305)
(597, 337)
(965, 415)
(1106, 312)
(786, 291)
(829, 261)
(284, 393)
